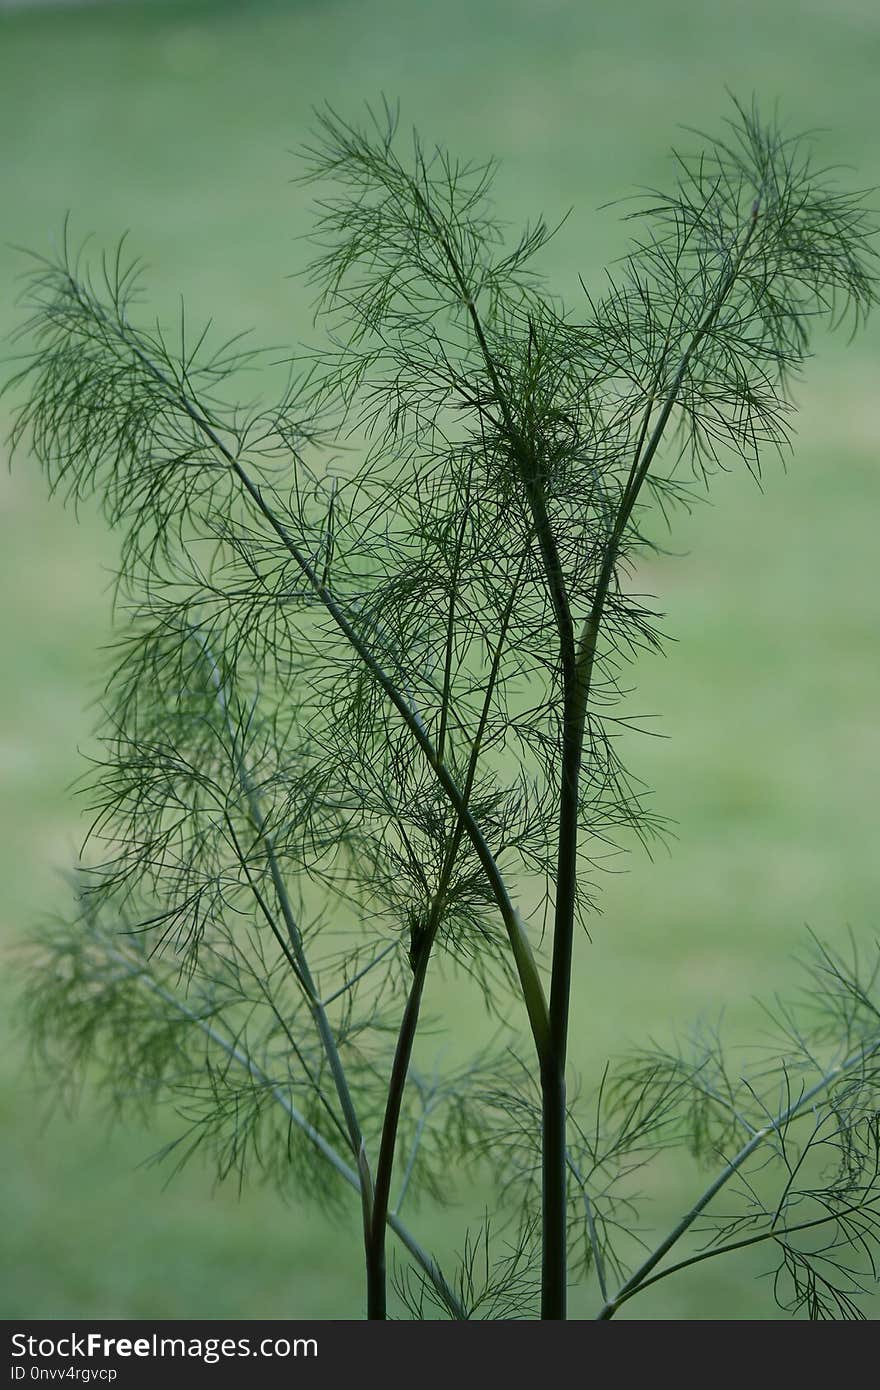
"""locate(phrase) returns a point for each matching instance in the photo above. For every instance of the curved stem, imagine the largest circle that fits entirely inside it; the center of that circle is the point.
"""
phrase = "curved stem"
(792, 1112)
(403, 1052)
(552, 1063)
(524, 961)
(733, 1246)
(424, 935)
(304, 974)
(427, 1262)
(577, 683)
(303, 971)
(642, 460)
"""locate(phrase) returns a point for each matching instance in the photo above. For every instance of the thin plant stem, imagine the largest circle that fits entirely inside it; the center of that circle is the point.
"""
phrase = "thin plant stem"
(424, 936)
(354, 1179)
(552, 1062)
(576, 694)
(796, 1110)
(530, 980)
(304, 974)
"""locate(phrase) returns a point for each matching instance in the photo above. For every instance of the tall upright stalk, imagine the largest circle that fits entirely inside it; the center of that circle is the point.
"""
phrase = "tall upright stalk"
(577, 679)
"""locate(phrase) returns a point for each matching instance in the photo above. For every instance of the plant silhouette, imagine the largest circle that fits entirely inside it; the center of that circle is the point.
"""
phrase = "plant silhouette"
(362, 716)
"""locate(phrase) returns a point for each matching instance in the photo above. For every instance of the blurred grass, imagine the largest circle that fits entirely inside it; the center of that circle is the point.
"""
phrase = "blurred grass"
(175, 121)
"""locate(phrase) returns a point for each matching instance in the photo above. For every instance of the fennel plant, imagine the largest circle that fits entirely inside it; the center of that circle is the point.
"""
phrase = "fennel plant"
(362, 714)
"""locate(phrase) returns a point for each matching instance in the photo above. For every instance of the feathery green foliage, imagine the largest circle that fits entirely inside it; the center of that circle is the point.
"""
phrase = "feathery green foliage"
(365, 700)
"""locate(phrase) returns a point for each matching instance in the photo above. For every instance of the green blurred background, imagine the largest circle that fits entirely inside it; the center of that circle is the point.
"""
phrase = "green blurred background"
(177, 121)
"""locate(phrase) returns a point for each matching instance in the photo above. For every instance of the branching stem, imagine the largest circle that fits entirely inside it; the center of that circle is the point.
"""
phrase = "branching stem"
(530, 980)
(424, 936)
(354, 1179)
(798, 1109)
